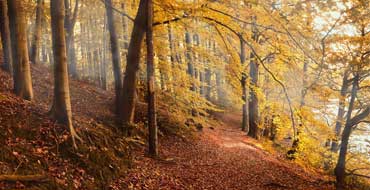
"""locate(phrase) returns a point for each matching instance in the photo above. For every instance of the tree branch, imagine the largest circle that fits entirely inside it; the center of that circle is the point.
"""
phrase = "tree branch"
(358, 118)
(118, 11)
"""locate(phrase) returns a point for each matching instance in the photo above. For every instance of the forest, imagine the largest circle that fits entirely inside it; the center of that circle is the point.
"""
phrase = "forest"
(185, 94)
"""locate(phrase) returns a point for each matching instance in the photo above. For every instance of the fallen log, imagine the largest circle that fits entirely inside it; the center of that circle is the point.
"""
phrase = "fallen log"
(23, 178)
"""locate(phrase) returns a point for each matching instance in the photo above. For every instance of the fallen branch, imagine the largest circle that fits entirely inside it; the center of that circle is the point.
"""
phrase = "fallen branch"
(23, 178)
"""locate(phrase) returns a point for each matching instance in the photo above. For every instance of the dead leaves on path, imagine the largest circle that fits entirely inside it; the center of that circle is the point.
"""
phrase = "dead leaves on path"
(208, 164)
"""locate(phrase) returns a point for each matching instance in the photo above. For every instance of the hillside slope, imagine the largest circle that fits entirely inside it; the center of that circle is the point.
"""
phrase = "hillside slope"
(219, 157)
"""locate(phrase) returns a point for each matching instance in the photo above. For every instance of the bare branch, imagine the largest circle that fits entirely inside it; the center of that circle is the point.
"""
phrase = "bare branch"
(118, 11)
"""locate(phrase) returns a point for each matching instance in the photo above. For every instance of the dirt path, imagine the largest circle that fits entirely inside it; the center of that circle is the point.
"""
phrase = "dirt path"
(221, 158)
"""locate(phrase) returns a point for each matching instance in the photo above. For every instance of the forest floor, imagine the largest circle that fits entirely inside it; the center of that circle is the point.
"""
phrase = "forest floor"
(221, 157)
(218, 157)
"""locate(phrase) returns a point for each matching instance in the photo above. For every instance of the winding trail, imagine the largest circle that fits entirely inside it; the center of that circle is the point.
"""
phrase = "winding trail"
(221, 157)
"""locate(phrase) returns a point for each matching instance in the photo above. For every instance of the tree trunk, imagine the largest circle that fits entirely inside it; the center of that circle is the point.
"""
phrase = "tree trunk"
(189, 58)
(304, 83)
(104, 57)
(21, 65)
(35, 55)
(152, 118)
(125, 27)
(5, 37)
(70, 21)
(341, 164)
(132, 67)
(341, 111)
(253, 102)
(245, 117)
(116, 59)
(61, 109)
(208, 72)
(171, 45)
(219, 87)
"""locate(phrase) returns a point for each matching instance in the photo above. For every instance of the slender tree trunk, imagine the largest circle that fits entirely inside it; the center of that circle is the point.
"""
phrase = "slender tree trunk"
(219, 87)
(171, 45)
(44, 58)
(152, 118)
(189, 58)
(245, 116)
(207, 88)
(172, 55)
(132, 66)
(35, 55)
(341, 164)
(21, 65)
(201, 80)
(116, 59)
(304, 84)
(61, 109)
(253, 102)
(5, 37)
(208, 73)
(341, 111)
(125, 28)
(104, 57)
(70, 21)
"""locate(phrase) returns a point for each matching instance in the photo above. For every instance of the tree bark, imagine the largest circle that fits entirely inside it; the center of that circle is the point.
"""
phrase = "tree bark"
(152, 118)
(132, 66)
(341, 111)
(304, 83)
(35, 55)
(245, 116)
(5, 37)
(189, 59)
(208, 72)
(61, 109)
(341, 164)
(70, 21)
(253, 102)
(104, 57)
(125, 27)
(21, 65)
(116, 59)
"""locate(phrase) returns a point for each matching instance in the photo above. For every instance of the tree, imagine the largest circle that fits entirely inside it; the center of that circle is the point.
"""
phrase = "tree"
(132, 67)
(21, 65)
(340, 168)
(243, 81)
(35, 58)
(70, 22)
(61, 109)
(5, 37)
(254, 130)
(116, 60)
(341, 110)
(152, 118)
